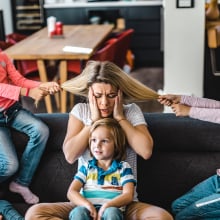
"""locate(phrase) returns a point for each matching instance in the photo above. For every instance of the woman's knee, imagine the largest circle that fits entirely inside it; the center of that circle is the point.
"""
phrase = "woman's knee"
(58, 210)
(34, 212)
(140, 210)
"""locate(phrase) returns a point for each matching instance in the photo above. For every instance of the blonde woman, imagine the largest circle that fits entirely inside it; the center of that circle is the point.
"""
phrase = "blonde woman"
(107, 88)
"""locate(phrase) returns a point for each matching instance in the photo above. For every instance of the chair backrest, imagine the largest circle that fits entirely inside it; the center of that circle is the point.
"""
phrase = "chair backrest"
(25, 67)
(122, 46)
(107, 52)
(13, 38)
(4, 45)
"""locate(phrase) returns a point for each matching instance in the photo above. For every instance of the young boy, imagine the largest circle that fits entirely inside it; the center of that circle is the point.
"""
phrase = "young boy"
(106, 182)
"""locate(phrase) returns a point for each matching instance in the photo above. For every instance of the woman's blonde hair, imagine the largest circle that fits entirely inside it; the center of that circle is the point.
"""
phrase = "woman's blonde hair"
(108, 72)
(117, 133)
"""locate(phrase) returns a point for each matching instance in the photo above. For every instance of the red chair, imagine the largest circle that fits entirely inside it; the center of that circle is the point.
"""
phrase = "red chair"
(25, 67)
(105, 53)
(13, 38)
(4, 45)
(122, 47)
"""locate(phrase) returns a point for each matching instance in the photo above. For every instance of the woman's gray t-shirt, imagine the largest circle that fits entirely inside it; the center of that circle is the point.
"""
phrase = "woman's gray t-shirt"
(132, 113)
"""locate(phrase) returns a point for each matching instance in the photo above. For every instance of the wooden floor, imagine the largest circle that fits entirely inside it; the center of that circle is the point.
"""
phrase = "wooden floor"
(152, 77)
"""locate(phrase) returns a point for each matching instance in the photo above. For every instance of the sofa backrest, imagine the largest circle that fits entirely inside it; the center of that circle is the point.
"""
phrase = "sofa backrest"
(186, 151)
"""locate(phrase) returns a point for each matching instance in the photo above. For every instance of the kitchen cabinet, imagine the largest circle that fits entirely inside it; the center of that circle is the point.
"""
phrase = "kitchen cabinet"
(68, 15)
(27, 15)
(145, 20)
(146, 42)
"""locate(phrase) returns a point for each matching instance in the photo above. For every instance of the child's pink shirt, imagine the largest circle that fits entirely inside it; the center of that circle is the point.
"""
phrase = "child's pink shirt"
(11, 82)
(202, 108)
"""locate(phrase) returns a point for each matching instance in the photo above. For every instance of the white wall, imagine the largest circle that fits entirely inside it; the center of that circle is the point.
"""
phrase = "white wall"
(184, 32)
(5, 6)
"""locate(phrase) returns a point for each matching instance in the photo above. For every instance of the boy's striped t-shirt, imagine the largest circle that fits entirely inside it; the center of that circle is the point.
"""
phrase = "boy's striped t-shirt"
(101, 185)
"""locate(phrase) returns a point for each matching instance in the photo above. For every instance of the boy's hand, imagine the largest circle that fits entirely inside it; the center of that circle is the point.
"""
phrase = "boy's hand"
(92, 210)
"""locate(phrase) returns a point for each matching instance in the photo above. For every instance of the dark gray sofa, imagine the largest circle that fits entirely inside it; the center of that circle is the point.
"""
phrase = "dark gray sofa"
(186, 151)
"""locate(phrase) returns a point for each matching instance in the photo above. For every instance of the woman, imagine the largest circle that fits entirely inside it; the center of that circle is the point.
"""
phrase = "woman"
(107, 87)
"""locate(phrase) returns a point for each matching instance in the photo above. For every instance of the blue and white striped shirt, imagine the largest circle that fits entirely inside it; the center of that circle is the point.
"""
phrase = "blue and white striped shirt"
(101, 185)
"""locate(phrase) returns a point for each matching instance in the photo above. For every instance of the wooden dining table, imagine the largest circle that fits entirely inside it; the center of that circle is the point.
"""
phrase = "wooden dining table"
(40, 47)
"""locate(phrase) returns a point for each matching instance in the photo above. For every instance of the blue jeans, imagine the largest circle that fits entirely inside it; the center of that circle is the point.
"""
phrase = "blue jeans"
(192, 206)
(82, 213)
(26, 122)
(8, 212)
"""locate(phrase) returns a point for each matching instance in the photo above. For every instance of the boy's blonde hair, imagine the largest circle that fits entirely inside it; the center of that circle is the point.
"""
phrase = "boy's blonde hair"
(117, 134)
(108, 72)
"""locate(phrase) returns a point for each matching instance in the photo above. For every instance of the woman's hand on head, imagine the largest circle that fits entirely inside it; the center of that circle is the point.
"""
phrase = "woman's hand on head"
(118, 112)
(95, 114)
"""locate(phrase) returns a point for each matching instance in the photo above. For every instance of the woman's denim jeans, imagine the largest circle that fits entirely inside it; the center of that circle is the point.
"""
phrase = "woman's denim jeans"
(201, 203)
(8, 211)
(82, 213)
(37, 132)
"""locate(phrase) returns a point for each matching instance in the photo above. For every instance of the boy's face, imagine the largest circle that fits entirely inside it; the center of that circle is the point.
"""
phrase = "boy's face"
(102, 143)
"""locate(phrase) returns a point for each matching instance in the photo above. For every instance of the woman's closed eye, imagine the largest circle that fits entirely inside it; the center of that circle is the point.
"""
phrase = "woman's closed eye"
(111, 95)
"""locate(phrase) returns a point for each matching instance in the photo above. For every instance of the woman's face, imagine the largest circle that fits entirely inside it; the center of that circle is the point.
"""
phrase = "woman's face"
(105, 96)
